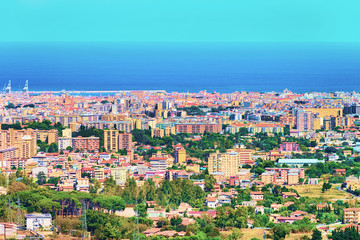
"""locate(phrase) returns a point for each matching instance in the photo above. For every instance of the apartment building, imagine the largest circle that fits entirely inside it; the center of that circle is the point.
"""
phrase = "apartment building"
(163, 132)
(125, 141)
(124, 126)
(113, 140)
(86, 143)
(198, 127)
(64, 142)
(229, 163)
(352, 215)
(119, 174)
(304, 120)
(279, 176)
(9, 137)
(160, 161)
(180, 154)
(7, 154)
(289, 147)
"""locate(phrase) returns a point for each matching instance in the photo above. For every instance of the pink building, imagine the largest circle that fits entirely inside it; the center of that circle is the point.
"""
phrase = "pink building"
(289, 147)
(86, 143)
(304, 120)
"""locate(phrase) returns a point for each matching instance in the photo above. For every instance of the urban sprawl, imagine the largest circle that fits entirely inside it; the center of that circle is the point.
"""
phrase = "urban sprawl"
(195, 166)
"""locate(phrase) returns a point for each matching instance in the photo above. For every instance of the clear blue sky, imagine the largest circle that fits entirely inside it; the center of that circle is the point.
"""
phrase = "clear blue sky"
(180, 20)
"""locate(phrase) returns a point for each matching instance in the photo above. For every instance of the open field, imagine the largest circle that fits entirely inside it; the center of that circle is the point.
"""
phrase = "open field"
(259, 233)
(315, 191)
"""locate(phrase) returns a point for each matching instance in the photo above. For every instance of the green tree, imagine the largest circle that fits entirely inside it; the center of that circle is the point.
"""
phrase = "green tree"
(175, 221)
(279, 231)
(316, 235)
(209, 182)
(53, 147)
(235, 234)
(41, 178)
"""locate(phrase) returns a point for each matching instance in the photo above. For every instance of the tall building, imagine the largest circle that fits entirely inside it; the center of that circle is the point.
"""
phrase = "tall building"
(113, 140)
(125, 141)
(230, 162)
(26, 148)
(304, 120)
(180, 154)
(225, 163)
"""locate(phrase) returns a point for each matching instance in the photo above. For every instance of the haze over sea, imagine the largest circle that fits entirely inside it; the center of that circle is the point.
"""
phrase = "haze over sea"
(182, 67)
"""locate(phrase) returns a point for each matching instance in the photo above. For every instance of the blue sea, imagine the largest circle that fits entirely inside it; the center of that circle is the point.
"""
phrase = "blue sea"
(182, 67)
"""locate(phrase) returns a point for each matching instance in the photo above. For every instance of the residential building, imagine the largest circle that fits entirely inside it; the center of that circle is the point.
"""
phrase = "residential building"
(86, 143)
(352, 215)
(36, 220)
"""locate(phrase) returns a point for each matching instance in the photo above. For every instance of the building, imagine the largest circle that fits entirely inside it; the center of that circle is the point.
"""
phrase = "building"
(86, 143)
(229, 163)
(124, 126)
(7, 154)
(67, 133)
(226, 163)
(26, 147)
(160, 161)
(8, 230)
(257, 196)
(125, 141)
(304, 120)
(353, 109)
(163, 132)
(180, 154)
(113, 140)
(289, 147)
(352, 215)
(198, 127)
(119, 175)
(37, 220)
(64, 142)
(280, 176)
(299, 162)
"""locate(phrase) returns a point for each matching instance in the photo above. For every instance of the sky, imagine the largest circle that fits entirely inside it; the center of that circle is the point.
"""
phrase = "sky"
(180, 20)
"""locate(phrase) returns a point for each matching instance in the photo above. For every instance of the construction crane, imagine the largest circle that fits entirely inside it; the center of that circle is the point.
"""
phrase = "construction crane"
(7, 89)
(26, 88)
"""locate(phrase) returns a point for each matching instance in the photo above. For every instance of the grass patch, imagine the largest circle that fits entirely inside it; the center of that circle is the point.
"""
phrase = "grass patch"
(314, 191)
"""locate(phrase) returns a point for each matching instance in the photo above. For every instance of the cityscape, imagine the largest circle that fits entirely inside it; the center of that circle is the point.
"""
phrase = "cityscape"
(179, 120)
(154, 164)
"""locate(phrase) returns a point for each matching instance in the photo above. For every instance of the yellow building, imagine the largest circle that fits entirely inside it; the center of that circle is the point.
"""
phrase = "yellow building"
(119, 174)
(229, 162)
(111, 140)
(180, 155)
(317, 123)
(26, 148)
(352, 215)
(326, 112)
(99, 173)
(67, 133)
(163, 132)
(193, 168)
(52, 136)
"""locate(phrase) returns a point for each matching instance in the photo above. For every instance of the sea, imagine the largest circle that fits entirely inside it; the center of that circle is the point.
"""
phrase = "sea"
(181, 67)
